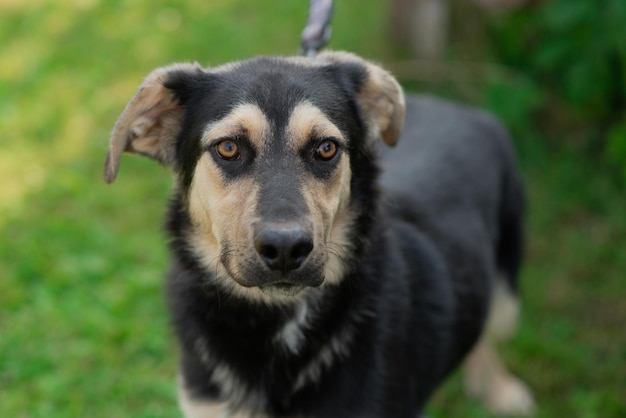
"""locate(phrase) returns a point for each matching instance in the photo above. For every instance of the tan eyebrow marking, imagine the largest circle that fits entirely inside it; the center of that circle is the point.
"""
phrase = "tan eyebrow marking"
(246, 119)
(306, 121)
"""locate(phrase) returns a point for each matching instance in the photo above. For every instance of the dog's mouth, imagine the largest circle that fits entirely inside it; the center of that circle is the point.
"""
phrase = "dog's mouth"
(282, 289)
(251, 273)
(275, 284)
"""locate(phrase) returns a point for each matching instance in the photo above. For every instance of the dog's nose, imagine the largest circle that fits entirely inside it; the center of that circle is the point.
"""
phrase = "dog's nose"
(283, 247)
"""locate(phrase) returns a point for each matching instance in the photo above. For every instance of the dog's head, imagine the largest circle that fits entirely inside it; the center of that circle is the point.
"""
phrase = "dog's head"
(262, 151)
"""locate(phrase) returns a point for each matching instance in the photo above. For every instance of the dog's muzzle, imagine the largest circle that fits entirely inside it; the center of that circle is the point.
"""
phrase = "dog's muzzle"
(284, 249)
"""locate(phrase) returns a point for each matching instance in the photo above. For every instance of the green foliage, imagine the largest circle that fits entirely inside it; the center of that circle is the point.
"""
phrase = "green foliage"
(575, 51)
(574, 47)
(616, 147)
(516, 103)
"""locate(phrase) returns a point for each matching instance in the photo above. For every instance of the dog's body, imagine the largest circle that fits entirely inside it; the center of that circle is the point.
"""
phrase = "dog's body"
(304, 286)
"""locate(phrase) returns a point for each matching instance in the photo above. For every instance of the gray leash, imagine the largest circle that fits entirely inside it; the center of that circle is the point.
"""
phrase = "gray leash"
(317, 32)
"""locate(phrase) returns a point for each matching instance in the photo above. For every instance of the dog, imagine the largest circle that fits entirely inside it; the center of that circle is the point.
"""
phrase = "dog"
(314, 272)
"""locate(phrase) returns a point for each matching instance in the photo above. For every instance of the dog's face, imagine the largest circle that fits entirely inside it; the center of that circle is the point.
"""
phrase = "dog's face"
(262, 153)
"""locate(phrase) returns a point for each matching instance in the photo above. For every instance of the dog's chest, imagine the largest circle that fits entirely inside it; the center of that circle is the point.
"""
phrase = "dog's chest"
(267, 374)
(291, 334)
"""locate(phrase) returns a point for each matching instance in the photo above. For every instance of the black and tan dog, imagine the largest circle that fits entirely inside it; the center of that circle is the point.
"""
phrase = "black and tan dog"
(303, 283)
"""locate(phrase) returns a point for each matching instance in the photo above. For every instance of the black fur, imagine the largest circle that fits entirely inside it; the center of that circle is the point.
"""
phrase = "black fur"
(430, 238)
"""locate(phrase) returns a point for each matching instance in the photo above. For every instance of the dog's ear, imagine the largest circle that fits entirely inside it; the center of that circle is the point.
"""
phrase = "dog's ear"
(152, 119)
(379, 96)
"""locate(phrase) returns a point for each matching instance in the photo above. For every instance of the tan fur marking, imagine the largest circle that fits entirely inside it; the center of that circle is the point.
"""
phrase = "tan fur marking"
(195, 408)
(339, 246)
(327, 202)
(382, 100)
(308, 121)
(149, 124)
(221, 214)
(503, 313)
(486, 376)
(246, 119)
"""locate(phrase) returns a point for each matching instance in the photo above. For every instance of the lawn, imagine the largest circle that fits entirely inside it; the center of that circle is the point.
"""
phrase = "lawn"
(83, 326)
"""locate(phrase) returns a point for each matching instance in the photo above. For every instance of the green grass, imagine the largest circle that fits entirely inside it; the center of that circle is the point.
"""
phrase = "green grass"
(83, 326)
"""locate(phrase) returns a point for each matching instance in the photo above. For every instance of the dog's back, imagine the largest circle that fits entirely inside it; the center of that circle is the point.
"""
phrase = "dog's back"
(453, 177)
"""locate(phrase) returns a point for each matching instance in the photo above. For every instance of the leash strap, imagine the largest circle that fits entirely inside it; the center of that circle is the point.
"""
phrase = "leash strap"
(317, 32)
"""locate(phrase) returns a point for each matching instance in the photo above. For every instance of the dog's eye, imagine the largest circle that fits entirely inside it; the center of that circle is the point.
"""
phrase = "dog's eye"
(227, 149)
(326, 150)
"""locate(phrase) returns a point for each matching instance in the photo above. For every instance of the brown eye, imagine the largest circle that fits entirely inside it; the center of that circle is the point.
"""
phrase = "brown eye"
(227, 150)
(326, 150)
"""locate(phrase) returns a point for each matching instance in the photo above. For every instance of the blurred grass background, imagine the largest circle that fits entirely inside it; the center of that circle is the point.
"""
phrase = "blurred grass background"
(83, 327)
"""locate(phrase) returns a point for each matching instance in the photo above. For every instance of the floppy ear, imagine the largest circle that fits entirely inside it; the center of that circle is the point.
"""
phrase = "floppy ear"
(152, 119)
(379, 97)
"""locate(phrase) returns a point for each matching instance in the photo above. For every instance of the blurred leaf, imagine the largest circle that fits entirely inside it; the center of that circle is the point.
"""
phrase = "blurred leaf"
(553, 54)
(585, 84)
(616, 147)
(574, 50)
(567, 14)
(514, 102)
